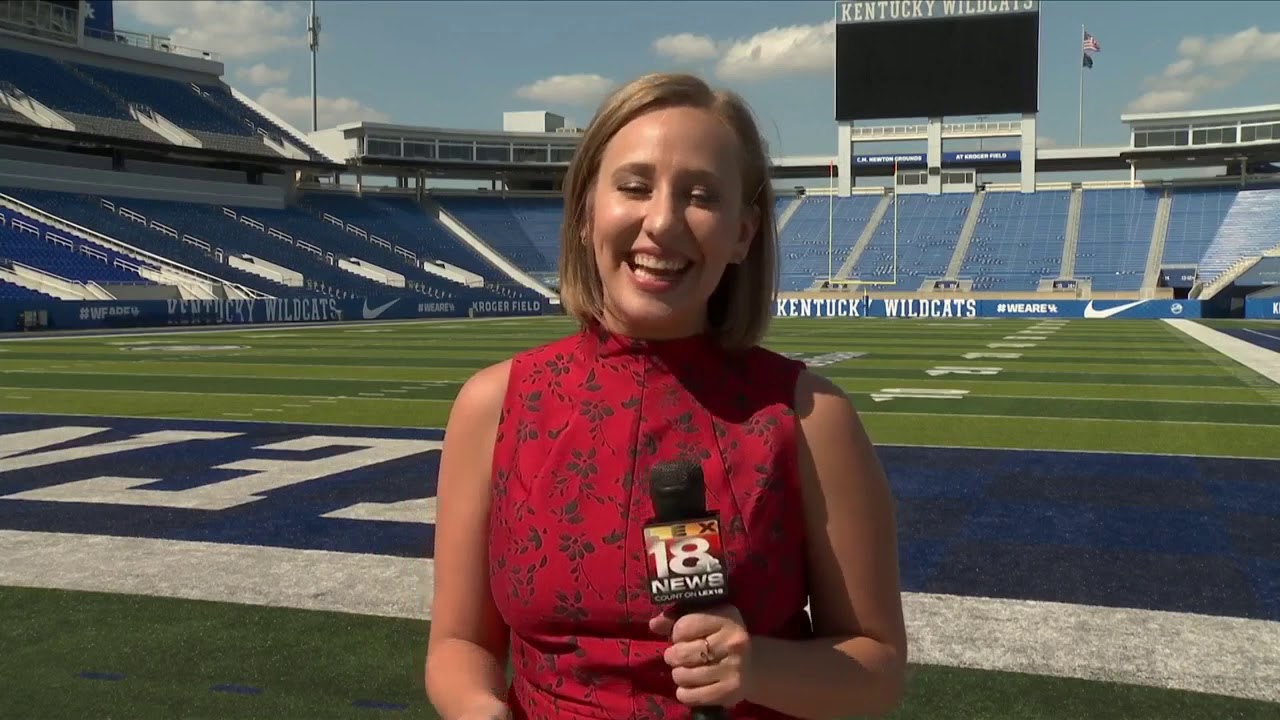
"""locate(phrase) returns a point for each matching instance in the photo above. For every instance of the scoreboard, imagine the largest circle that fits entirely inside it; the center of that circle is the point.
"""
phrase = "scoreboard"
(933, 58)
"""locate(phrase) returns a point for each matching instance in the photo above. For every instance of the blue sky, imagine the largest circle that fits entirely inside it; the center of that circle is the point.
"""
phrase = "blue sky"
(461, 64)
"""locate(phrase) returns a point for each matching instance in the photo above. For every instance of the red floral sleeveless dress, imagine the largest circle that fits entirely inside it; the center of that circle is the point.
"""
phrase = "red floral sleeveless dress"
(584, 419)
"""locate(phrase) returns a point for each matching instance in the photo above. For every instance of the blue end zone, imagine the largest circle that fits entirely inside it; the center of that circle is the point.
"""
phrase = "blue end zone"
(1269, 339)
(1180, 533)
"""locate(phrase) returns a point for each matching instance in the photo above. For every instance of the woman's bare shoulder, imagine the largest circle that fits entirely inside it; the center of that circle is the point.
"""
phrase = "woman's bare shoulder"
(480, 398)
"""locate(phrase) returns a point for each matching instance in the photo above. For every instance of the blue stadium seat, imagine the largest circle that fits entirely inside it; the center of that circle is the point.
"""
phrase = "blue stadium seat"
(1248, 229)
(32, 243)
(403, 223)
(1195, 214)
(89, 212)
(525, 230)
(1115, 237)
(204, 236)
(9, 291)
(817, 224)
(301, 225)
(176, 101)
(55, 85)
(229, 235)
(1017, 241)
(928, 230)
(231, 105)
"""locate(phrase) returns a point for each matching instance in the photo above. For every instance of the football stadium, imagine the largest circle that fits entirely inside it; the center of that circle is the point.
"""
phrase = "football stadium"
(228, 349)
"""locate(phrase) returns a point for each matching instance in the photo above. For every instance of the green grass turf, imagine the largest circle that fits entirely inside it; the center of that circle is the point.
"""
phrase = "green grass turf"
(1089, 386)
(1092, 385)
(315, 664)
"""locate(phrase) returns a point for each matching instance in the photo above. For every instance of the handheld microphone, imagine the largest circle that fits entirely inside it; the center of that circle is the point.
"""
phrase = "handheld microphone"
(686, 559)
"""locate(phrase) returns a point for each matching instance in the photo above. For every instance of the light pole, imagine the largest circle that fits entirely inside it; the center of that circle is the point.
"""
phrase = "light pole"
(313, 40)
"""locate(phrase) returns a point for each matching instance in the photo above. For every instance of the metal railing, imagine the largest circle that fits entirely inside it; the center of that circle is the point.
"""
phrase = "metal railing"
(150, 42)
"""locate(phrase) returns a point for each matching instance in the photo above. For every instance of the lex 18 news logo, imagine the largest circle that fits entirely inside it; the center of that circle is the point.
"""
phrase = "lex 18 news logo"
(684, 561)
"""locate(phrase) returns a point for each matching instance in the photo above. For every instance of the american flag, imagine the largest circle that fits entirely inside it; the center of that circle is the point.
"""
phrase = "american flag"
(1091, 43)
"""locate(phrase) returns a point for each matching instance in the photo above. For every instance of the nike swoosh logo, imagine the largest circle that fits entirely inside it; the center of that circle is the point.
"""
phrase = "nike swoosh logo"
(1090, 312)
(372, 314)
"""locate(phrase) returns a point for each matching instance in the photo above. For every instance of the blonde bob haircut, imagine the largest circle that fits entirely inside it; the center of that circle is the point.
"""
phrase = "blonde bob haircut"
(739, 309)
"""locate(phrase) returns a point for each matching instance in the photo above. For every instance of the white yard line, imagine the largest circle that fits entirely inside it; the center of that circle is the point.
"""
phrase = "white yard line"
(1233, 656)
(245, 574)
(1258, 359)
(1230, 656)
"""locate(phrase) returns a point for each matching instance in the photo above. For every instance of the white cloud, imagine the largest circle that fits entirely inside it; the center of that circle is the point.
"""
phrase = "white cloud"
(780, 51)
(1160, 100)
(1207, 65)
(263, 74)
(581, 89)
(1250, 46)
(686, 47)
(772, 53)
(1180, 68)
(235, 29)
(296, 109)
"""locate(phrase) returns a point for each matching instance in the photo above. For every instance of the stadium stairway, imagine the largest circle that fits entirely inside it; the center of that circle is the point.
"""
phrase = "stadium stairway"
(45, 283)
(928, 228)
(237, 106)
(478, 246)
(9, 115)
(1116, 229)
(182, 260)
(1070, 243)
(50, 94)
(46, 258)
(1247, 233)
(179, 104)
(404, 225)
(864, 238)
(353, 250)
(90, 98)
(233, 235)
(1017, 241)
(819, 231)
(1195, 215)
(515, 227)
(785, 208)
(1159, 236)
(14, 291)
(966, 236)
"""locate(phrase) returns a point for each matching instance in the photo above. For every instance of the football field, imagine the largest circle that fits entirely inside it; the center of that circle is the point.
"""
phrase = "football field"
(239, 523)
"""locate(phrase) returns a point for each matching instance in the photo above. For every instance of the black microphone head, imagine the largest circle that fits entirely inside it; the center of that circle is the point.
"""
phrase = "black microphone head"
(677, 489)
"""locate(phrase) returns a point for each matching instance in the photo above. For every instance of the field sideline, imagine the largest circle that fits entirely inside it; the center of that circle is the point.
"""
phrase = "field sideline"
(1089, 513)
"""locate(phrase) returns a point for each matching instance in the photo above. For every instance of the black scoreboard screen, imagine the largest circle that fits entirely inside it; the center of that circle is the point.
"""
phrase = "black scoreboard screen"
(917, 59)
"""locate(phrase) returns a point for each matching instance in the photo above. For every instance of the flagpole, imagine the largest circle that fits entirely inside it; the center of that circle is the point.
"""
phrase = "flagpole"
(1080, 63)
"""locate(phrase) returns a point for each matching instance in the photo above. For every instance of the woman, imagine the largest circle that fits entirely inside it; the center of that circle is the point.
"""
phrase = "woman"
(668, 259)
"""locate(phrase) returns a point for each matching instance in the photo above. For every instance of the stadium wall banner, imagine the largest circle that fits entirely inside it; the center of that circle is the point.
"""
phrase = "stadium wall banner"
(1184, 278)
(1263, 308)
(89, 315)
(948, 158)
(861, 11)
(961, 308)
(99, 18)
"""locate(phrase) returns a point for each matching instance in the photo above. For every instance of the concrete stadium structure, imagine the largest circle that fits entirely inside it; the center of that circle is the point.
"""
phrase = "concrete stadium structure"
(130, 171)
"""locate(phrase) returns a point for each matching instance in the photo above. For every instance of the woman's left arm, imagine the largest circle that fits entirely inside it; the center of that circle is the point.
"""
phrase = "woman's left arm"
(857, 663)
